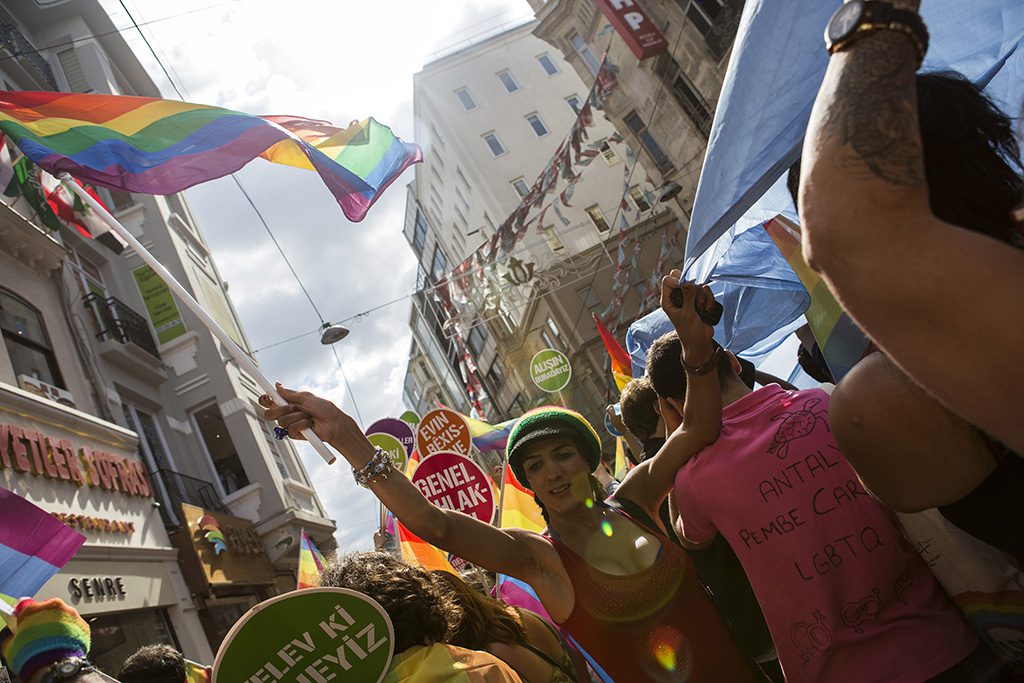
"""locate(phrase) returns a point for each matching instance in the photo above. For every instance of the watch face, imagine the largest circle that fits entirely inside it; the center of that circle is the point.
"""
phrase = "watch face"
(844, 22)
(69, 666)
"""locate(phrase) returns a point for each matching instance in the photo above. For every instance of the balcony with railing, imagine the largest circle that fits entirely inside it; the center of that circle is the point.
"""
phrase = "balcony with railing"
(175, 488)
(24, 53)
(125, 338)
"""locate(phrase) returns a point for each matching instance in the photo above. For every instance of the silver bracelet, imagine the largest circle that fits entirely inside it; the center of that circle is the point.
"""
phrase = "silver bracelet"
(379, 466)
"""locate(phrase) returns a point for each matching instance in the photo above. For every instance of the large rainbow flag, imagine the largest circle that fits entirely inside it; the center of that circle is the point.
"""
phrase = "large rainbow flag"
(621, 365)
(311, 563)
(414, 549)
(155, 146)
(33, 546)
(841, 342)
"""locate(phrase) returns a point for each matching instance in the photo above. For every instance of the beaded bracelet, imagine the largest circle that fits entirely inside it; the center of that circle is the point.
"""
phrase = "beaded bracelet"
(379, 466)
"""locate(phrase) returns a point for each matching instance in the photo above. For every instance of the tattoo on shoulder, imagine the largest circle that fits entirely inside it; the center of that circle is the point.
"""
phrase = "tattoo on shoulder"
(874, 110)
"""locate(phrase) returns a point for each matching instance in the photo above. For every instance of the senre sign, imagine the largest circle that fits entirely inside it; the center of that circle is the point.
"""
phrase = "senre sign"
(634, 26)
(443, 430)
(455, 482)
(313, 635)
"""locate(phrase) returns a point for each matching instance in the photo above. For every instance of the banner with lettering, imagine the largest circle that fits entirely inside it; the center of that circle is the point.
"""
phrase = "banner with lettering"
(443, 430)
(316, 634)
(454, 482)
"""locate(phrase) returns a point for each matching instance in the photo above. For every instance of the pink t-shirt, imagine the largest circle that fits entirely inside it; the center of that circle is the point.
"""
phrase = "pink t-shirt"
(845, 597)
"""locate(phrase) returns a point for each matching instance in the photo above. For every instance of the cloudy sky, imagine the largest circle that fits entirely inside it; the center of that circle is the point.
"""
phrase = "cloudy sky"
(336, 61)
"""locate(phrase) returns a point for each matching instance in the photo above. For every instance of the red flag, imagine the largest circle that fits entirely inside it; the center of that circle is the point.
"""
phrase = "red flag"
(621, 365)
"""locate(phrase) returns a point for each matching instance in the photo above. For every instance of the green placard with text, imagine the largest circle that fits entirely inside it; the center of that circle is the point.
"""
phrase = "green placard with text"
(160, 305)
(550, 370)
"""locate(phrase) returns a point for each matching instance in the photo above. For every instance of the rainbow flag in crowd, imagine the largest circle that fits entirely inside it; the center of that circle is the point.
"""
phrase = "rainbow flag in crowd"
(311, 563)
(488, 437)
(841, 342)
(621, 365)
(518, 509)
(33, 546)
(414, 549)
(155, 146)
(197, 673)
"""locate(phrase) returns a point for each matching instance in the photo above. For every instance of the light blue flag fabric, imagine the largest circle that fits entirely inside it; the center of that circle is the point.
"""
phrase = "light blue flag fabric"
(778, 62)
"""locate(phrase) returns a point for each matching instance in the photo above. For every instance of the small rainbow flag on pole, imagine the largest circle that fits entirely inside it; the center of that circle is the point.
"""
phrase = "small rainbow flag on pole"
(311, 563)
(842, 343)
(518, 508)
(155, 146)
(621, 365)
(33, 546)
(488, 437)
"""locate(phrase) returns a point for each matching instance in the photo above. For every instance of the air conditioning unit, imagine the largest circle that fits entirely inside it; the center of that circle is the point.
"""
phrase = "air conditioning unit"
(47, 391)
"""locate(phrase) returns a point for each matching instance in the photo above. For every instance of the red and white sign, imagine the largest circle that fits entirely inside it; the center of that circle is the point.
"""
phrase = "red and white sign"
(634, 26)
(443, 430)
(454, 482)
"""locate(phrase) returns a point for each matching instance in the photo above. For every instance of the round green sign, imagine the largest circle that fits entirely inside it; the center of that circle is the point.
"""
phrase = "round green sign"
(314, 634)
(410, 418)
(392, 447)
(550, 370)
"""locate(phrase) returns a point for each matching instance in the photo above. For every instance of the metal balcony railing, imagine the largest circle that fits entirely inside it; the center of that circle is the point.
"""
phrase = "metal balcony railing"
(181, 488)
(118, 321)
(20, 48)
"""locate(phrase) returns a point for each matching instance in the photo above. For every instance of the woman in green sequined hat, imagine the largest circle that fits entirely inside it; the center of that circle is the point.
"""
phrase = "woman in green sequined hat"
(629, 597)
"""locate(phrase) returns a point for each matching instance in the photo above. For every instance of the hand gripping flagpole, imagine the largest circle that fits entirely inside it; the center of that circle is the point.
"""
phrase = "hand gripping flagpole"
(244, 361)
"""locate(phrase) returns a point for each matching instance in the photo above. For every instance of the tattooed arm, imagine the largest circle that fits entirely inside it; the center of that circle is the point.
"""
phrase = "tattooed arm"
(894, 266)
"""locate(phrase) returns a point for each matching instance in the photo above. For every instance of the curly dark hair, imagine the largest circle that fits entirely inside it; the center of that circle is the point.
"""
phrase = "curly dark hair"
(153, 664)
(971, 156)
(637, 402)
(420, 612)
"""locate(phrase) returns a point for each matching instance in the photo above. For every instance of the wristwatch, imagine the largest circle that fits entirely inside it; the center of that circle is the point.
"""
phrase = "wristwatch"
(857, 18)
(67, 669)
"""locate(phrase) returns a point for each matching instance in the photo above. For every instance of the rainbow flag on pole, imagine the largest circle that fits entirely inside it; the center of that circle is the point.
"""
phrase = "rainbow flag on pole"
(33, 546)
(311, 563)
(488, 437)
(621, 365)
(842, 343)
(518, 508)
(155, 146)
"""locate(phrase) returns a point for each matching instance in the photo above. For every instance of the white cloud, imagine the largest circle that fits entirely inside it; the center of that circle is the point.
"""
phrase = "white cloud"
(336, 61)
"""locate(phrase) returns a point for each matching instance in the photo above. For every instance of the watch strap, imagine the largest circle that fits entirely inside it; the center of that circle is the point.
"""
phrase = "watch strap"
(882, 16)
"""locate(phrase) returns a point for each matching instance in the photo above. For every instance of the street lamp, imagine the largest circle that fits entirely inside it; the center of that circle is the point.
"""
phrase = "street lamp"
(332, 333)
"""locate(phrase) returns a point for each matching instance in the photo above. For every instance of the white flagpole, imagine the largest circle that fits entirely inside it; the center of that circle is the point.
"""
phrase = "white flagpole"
(236, 353)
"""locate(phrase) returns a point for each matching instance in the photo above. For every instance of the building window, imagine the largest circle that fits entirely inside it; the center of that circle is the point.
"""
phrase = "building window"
(120, 200)
(439, 264)
(219, 445)
(522, 189)
(716, 20)
(574, 103)
(589, 298)
(639, 128)
(27, 342)
(496, 375)
(477, 337)
(640, 199)
(597, 218)
(491, 138)
(584, 51)
(550, 334)
(553, 240)
(539, 129)
(611, 157)
(466, 98)
(507, 80)
(547, 64)
(697, 109)
(72, 68)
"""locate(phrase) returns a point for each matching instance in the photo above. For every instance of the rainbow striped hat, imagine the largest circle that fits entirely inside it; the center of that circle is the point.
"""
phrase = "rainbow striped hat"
(545, 422)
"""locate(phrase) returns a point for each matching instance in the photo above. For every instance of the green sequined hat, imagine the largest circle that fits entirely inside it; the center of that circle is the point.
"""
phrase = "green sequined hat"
(546, 422)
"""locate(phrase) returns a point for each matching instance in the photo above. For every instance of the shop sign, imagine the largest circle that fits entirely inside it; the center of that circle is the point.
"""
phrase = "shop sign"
(236, 555)
(443, 430)
(454, 482)
(312, 635)
(396, 428)
(550, 370)
(96, 588)
(31, 452)
(634, 27)
(89, 523)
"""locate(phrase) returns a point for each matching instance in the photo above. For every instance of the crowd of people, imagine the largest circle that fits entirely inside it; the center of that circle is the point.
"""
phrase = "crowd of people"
(763, 533)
